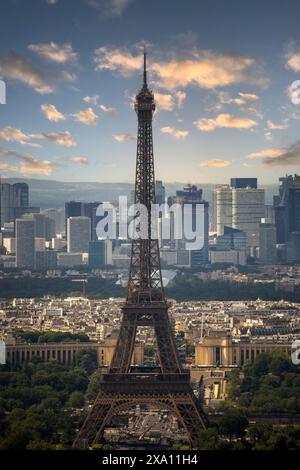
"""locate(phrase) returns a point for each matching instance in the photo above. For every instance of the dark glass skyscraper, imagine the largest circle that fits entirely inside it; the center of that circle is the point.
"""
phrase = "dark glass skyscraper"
(287, 208)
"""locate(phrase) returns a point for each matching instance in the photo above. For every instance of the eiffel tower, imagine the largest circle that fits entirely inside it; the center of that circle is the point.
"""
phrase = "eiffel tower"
(123, 386)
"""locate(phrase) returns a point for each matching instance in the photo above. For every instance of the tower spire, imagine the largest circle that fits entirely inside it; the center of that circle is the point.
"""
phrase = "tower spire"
(145, 70)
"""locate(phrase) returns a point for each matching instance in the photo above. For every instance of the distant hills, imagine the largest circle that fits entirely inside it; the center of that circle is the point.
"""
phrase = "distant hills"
(54, 194)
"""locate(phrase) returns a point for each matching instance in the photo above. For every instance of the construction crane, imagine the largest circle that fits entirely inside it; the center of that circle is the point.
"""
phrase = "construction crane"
(84, 283)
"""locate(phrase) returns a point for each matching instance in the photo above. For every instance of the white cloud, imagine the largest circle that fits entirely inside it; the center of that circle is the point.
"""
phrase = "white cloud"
(164, 101)
(11, 134)
(180, 97)
(78, 159)
(53, 52)
(92, 99)
(107, 109)
(28, 163)
(86, 116)
(60, 138)
(279, 156)
(52, 113)
(224, 121)
(124, 137)
(273, 126)
(266, 153)
(203, 68)
(177, 134)
(14, 66)
(215, 163)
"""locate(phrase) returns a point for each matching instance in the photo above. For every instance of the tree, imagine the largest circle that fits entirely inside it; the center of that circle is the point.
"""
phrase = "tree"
(233, 424)
(76, 400)
(94, 385)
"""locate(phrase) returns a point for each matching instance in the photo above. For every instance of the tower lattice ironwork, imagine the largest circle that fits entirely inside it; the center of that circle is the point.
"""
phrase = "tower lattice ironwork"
(123, 386)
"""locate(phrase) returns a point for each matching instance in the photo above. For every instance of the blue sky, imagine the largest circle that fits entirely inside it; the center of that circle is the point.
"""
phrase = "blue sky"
(221, 73)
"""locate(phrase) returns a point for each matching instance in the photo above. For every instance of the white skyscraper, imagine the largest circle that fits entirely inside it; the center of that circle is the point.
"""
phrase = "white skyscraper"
(223, 196)
(78, 234)
(248, 208)
(25, 243)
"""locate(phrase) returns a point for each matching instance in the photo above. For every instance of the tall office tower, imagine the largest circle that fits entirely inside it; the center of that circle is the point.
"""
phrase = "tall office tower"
(287, 208)
(25, 243)
(78, 234)
(21, 195)
(100, 253)
(13, 196)
(125, 385)
(84, 209)
(223, 196)
(89, 210)
(239, 183)
(267, 242)
(7, 203)
(190, 198)
(160, 192)
(232, 239)
(58, 216)
(248, 208)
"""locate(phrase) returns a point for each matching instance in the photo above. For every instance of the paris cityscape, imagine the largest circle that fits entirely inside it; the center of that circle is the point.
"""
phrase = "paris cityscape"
(149, 228)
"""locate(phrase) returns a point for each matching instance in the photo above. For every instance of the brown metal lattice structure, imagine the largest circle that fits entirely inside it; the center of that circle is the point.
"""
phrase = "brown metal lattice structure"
(121, 387)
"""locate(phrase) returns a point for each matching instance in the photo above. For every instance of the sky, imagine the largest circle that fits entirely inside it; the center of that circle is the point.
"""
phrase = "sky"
(224, 76)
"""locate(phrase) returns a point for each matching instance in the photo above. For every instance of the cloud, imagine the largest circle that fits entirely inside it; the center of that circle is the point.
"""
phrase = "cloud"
(273, 126)
(52, 2)
(164, 101)
(225, 121)
(110, 8)
(271, 152)
(180, 97)
(124, 137)
(293, 61)
(279, 156)
(107, 109)
(79, 160)
(205, 69)
(86, 116)
(177, 134)
(92, 99)
(53, 52)
(17, 67)
(28, 163)
(216, 163)
(11, 134)
(51, 113)
(60, 138)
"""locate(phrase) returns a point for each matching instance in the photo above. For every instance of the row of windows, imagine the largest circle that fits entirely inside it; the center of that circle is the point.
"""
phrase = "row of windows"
(65, 356)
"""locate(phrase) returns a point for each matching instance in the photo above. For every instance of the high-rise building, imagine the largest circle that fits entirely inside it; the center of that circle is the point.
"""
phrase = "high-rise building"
(192, 197)
(239, 183)
(25, 243)
(248, 208)
(223, 198)
(84, 209)
(242, 206)
(45, 260)
(267, 242)
(78, 234)
(58, 216)
(287, 208)
(160, 192)
(12, 196)
(100, 253)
